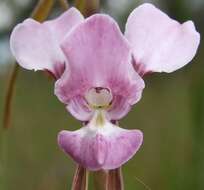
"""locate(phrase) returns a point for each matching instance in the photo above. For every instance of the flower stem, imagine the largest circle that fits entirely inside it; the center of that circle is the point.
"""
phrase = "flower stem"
(115, 180)
(81, 178)
(87, 7)
(64, 4)
(40, 13)
(100, 178)
(42, 10)
(9, 97)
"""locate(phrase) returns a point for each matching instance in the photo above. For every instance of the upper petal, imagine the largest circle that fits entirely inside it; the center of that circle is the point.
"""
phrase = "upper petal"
(61, 26)
(103, 148)
(159, 43)
(99, 56)
(36, 45)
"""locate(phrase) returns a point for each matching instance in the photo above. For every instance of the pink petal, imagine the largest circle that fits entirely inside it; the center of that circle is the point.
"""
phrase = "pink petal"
(61, 26)
(79, 109)
(97, 149)
(159, 43)
(36, 45)
(99, 56)
(120, 107)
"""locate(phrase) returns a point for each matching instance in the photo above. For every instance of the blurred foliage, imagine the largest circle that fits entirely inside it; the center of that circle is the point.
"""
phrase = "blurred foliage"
(171, 115)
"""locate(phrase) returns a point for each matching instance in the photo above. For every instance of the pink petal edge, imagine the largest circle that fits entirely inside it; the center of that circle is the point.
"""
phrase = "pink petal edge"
(36, 46)
(97, 150)
(99, 56)
(159, 43)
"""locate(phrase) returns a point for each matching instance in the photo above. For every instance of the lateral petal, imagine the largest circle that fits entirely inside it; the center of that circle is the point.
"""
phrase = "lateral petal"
(36, 46)
(159, 43)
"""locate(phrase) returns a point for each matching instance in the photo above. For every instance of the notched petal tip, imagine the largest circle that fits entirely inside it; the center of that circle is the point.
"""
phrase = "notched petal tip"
(36, 46)
(76, 12)
(107, 148)
(66, 22)
(146, 6)
(160, 43)
(29, 45)
(190, 27)
(15, 36)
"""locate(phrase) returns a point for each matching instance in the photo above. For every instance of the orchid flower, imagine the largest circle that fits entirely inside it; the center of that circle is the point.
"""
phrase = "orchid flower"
(99, 73)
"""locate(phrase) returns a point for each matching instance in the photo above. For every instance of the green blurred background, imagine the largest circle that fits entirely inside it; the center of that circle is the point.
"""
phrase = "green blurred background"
(171, 115)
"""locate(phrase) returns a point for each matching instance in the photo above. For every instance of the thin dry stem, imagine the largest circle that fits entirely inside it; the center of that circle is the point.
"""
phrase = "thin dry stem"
(100, 179)
(40, 13)
(42, 10)
(80, 180)
(64, 4)
(87, 7)
(140, 181)
(9, 97)
(79, 4)
(115, 180)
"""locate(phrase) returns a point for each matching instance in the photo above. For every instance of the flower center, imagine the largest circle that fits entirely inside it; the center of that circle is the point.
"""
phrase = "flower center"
(99, 98)
(98, 120)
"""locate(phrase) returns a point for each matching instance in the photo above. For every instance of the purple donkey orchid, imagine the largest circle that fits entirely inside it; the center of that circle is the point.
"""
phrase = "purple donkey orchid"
(99, 72)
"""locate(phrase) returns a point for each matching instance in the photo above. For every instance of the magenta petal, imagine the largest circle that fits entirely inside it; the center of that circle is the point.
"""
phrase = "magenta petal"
(159, 43)
(99, 56)
(36, 46)
(98, 149)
